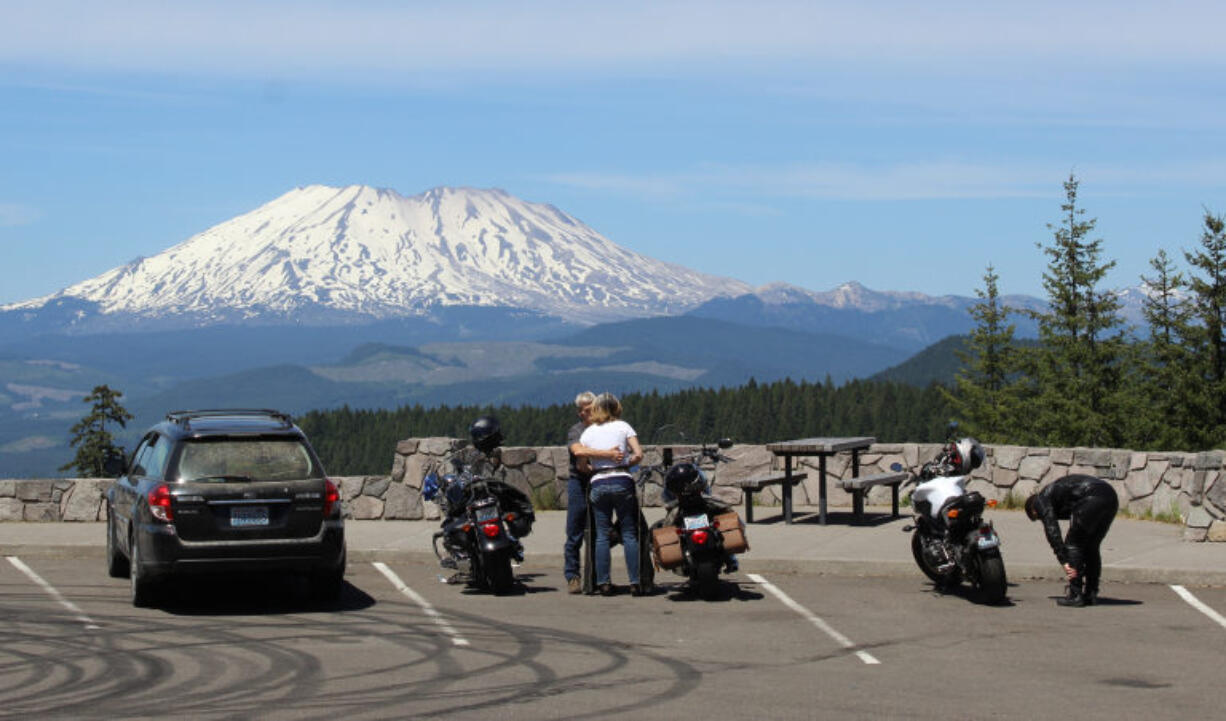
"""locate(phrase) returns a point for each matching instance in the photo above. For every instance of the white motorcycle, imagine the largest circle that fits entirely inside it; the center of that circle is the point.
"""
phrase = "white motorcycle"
(952, 541)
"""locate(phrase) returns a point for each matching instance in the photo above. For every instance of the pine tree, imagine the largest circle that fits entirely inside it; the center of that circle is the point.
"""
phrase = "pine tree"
(94, 443)
(985, 392)
(1080, 364)
(1209, 287)
(1167, 376)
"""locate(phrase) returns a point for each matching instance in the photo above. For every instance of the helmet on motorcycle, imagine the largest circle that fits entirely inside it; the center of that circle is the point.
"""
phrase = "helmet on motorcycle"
(684, 479)
(967, 456)
(486, 434)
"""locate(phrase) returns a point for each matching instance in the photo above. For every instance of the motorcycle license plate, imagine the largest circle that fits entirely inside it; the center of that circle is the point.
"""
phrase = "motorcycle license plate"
(989, 541)
(243, 516)
(693, 523)
(486, 513)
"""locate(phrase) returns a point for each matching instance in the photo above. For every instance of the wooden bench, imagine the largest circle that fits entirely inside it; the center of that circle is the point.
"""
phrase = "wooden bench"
(751, 485)
(860, 485)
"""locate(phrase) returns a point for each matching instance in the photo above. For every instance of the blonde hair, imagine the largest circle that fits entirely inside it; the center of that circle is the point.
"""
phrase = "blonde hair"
(586, 398)
(606, 408)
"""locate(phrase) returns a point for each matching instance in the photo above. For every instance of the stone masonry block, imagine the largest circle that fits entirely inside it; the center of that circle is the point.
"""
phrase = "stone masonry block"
(1217, 532)
(376, 486)
(1034, 467)
(407, 447)
(36, 490)
(11, 509)
(41, 512)
(434, 446)
(81, 502)
(1062, 456)
(516, 457)
(8, 488)
(1009, 457)
(398, 469)
(365, 508)
(1121, 461)
(1094, 457)
(402, 503)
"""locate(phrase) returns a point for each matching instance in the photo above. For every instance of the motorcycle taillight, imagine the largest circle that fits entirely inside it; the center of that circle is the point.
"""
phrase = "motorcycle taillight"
(491, 530)
(700, 536)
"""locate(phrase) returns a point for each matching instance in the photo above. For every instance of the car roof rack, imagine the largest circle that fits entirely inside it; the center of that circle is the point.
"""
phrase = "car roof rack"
(184, 418)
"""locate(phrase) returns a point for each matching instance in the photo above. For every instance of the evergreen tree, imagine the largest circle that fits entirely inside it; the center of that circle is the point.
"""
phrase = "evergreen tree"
(1167, 376)
(1079, 365)
(1208, 284)
(985, 392)
(90, 436)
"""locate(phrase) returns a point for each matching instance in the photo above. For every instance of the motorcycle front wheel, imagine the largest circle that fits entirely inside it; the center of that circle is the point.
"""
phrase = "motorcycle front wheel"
(992, 582)
(948, 578)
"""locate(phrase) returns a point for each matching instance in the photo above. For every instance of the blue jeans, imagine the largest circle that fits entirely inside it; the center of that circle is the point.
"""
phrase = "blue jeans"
(609, 497)
(576, 523)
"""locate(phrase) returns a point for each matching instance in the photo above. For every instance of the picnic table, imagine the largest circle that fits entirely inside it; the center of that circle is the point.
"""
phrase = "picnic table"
(823, 448)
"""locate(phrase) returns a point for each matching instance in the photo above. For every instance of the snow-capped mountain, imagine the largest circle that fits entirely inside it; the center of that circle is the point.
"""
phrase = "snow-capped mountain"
(337, 253)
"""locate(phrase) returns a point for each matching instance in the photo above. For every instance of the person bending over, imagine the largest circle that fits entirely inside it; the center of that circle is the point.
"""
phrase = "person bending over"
(1089, 504)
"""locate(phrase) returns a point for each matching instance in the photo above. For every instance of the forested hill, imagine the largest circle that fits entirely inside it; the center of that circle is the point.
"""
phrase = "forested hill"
(356, 442)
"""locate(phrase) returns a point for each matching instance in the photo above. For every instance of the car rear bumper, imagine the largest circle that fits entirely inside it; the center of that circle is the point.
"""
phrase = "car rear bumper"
(164, 553)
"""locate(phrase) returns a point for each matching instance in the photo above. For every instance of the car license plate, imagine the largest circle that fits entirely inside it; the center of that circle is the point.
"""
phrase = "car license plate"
(989, 541)
(693, 523)
(249, 516)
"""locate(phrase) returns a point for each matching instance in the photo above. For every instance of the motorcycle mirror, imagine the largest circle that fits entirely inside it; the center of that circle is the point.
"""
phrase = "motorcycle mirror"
(951, 428)
(725, 443)
(896, 466)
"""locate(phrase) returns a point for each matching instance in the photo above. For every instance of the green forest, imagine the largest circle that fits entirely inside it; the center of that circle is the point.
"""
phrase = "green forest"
(354, 442)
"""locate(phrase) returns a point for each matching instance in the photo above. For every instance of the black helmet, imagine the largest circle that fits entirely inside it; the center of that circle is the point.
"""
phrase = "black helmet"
(486, 434)
(684, 479)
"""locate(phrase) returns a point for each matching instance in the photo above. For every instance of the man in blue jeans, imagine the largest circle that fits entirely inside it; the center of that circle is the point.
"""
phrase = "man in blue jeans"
(576, 494)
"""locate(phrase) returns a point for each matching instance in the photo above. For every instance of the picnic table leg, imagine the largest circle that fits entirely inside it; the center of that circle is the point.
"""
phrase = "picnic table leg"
(787, 490)
(894, 488)
(748, 505)
(821, 504)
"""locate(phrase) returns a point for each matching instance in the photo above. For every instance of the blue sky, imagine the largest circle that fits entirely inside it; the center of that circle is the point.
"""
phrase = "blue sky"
(901, 146)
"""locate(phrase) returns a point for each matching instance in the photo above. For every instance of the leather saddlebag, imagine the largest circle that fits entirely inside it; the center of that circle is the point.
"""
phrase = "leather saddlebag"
(733, 531)
(666, 547)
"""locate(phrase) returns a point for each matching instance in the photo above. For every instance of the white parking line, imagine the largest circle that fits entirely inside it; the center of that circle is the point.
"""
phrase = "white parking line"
(53, 593)
(429, 610)
(1199, 605)
(842, 640)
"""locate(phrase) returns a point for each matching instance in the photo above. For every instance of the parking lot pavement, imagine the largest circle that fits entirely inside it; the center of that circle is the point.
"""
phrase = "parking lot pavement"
(250, 647)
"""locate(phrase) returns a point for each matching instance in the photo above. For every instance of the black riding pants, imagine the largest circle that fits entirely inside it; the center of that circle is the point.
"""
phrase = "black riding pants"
(1088, 525)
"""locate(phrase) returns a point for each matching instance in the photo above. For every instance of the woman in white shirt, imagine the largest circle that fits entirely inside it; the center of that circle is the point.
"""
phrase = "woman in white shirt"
(612, 488)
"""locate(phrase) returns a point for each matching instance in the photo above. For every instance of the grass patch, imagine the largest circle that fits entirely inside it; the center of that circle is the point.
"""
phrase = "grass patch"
(1012, 502)
(1171, 515)
(545, 498)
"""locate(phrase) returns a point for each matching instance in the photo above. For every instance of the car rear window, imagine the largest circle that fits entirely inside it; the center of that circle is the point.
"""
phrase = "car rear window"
(245, 459)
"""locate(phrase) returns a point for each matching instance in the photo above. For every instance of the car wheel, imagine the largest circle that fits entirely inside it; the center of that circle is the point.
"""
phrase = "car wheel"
(143, 587)
(116, 562)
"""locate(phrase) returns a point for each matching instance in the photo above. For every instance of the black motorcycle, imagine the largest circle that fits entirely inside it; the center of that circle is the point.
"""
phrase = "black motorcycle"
(952, 541)
(483, 520)
(699, 535)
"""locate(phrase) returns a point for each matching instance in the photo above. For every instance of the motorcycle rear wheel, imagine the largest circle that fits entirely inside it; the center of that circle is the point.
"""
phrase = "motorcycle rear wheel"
(498, 576)
(992, 585)
(949, 578)
(706, 579)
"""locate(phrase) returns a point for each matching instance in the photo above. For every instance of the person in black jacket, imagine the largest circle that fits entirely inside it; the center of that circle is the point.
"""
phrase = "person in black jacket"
(1089, 504)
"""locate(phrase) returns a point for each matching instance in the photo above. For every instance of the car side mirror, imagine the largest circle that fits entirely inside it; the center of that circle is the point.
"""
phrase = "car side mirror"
(114, 465)
(724, 443)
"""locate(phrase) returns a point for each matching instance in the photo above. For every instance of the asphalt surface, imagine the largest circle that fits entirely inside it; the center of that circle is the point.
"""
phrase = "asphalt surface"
(821, 622)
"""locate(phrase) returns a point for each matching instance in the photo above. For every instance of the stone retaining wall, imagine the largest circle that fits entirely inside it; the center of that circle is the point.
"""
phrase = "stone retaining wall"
(1188, 484)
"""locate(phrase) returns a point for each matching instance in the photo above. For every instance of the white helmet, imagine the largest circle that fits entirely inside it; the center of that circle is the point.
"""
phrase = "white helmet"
(967, 456)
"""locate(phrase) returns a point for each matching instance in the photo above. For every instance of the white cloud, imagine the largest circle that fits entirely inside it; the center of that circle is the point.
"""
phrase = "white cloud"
(307, 38)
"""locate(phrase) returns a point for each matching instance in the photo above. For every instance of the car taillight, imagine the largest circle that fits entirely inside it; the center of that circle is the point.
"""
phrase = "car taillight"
(331, 497)
(159, 503)
(700, 536)
(490, 530)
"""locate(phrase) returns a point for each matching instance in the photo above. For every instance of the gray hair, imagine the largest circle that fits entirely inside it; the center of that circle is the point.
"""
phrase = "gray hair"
(586, 398)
